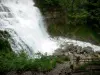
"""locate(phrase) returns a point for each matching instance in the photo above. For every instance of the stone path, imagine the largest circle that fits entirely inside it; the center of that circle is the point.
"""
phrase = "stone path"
(60, 69)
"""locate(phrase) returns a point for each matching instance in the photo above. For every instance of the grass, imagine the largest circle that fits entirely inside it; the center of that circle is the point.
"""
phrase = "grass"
(9, 61)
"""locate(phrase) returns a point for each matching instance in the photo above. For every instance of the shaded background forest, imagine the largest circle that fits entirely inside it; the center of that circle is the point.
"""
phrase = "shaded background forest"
(78, 19)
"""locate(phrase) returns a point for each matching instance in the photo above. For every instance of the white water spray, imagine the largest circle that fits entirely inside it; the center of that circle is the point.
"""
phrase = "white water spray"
(24, 23)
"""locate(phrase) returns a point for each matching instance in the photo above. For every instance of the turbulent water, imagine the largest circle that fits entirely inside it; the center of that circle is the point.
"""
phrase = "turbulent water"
(24, 23)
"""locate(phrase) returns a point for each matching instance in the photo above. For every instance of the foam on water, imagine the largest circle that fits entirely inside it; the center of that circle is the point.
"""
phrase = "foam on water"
(62, 40)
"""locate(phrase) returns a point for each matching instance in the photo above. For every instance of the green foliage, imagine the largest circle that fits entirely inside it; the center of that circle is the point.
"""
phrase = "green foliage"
(62, 4)
(46, 63)
(11, 61)
(47, 5)
(73, 11)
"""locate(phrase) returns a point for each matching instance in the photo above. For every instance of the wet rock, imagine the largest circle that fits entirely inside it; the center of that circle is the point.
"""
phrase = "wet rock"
(58, 52)
(88, 50)
(12, 73)
(27, 73)
(71, 48)
(79, 49)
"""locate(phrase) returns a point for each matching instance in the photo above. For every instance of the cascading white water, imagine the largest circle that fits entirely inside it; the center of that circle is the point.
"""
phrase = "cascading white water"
(24, 23)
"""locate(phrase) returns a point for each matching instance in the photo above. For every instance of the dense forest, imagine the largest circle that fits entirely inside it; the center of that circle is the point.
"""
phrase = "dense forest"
(73, 18)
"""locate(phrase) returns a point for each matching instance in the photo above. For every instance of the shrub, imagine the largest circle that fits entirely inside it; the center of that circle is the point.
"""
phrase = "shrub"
(10, 61)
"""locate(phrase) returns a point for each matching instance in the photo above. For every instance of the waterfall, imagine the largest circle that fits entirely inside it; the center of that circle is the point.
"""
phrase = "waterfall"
(24, 22)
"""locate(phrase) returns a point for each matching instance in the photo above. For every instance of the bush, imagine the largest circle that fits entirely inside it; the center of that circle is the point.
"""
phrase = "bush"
(11, 61)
